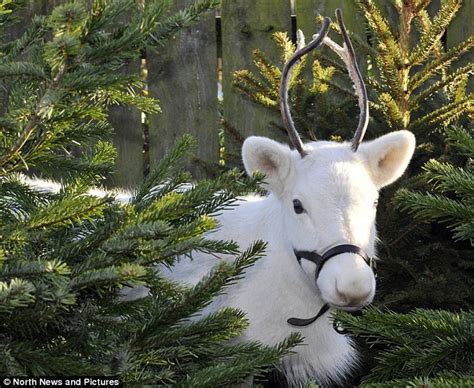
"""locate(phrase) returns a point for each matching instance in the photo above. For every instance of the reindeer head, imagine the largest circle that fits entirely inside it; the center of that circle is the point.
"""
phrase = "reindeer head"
(328, 192)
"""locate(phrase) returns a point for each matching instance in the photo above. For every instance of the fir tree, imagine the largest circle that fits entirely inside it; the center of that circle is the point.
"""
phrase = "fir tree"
(67, 256)
(407, 72)
(317, 101)
(413, 84)
(428, 346)
(452, 200)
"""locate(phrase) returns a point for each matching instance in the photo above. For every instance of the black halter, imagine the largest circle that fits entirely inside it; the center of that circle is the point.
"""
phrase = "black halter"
(320, 260)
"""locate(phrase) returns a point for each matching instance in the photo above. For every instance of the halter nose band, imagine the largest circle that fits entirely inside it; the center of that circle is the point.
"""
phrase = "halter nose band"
(320, 260)
(337, 250)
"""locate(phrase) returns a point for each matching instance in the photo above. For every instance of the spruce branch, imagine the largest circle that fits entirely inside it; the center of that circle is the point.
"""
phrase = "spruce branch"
(42, 110)
(426, 206)
(16, 294)
(431, 37)
(22, 69)
(236, 369)
(447, 81)
(447, 178)
(446, 115)
(183, 147)
(424, 22)
(461, 139)
(198, 297)
(389, 55)
(180, 20)
(427, 343)
(434, 67)
(67, 257)
(65, 211)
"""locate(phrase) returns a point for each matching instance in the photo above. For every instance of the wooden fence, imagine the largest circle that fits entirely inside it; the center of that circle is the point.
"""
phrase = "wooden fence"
(184, 75)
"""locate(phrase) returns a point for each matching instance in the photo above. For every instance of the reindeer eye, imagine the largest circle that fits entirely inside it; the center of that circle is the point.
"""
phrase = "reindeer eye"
(298, 206)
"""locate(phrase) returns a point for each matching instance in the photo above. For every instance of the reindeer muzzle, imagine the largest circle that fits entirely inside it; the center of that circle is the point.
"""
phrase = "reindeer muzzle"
(320, 260)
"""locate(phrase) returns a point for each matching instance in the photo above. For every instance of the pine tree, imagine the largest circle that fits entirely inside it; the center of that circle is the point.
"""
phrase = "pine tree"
(408, 74)
(413, 84)
(409, 68)
(452, 200)
(317, 101)
(423, 347)
(66, 257)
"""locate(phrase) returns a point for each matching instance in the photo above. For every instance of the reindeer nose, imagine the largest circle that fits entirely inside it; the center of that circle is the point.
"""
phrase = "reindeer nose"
(352, 298)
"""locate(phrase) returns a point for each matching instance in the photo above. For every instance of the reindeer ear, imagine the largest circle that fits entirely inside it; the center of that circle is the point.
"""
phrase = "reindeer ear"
(388, 156)
(270, 158)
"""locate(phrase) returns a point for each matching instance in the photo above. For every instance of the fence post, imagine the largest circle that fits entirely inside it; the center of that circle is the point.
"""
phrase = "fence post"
(183, 76)
(247, 25)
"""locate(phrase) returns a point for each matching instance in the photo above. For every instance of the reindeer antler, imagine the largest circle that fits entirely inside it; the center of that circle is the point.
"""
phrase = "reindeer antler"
(285, 77)
(346, 53)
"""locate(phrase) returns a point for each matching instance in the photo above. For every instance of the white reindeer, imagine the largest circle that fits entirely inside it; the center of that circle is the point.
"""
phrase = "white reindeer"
(319, 222)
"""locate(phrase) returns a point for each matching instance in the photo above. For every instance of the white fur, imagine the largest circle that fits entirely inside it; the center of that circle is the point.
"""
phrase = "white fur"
(337, 188)
(54, 187)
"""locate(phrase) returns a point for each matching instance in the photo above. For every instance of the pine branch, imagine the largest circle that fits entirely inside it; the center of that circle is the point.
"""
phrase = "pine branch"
(422, 343)
(446, 115)
(461, 139)
(429, 39)
(431, 69)
(448, 81)
(180, 20)
(388, 52)
(447, 178)
(436, 207)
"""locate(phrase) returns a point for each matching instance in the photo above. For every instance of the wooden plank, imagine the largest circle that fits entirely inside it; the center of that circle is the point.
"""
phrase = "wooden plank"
(308, 10)
(126, 121)
(183, 76)
(308, 14)
(460, 29)
(128, 140)
(246, 26)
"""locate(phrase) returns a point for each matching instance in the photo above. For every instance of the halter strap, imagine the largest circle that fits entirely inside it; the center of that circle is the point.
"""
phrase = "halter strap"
(308, 321)
(337, 250)
(320, 260)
